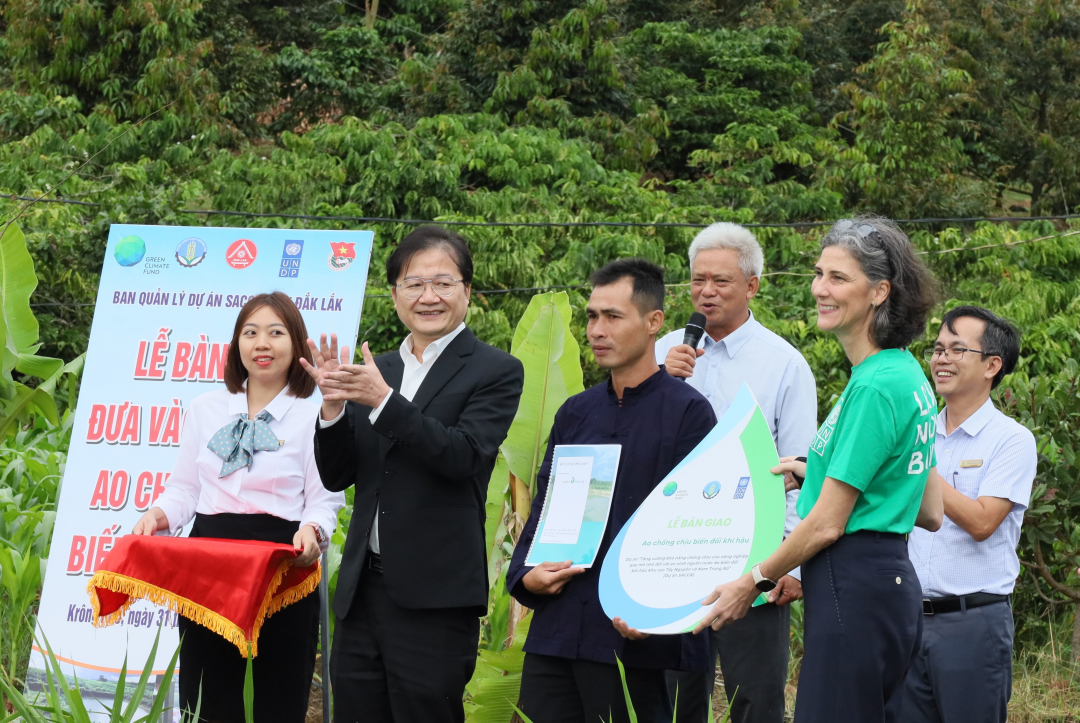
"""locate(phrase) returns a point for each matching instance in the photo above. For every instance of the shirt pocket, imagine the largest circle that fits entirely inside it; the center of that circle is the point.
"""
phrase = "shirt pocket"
(968, 480)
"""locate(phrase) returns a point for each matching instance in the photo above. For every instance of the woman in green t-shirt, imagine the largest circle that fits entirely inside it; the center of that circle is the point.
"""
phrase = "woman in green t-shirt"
(867, 484)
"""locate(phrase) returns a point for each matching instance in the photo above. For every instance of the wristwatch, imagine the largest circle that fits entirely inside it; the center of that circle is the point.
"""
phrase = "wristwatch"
(319, 536)
(761, 582)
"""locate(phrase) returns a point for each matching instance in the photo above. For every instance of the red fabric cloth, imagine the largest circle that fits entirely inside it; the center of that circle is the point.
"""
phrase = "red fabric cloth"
(229, 586)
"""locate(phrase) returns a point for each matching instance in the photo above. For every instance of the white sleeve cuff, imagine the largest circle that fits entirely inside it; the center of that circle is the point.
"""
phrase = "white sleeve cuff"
(378, 410)
(174, 513)
(323, 423)
(796, 573)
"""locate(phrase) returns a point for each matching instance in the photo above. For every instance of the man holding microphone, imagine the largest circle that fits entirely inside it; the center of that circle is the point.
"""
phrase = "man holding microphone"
(726, 264)
(962, 670)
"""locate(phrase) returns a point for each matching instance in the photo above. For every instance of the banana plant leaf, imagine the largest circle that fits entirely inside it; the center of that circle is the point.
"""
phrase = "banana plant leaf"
(551, 356)
(493, 691)
(73, 367)
(17, 283)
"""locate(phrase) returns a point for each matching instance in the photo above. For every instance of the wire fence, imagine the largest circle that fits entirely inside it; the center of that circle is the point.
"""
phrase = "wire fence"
(559, 224)
(579, 224)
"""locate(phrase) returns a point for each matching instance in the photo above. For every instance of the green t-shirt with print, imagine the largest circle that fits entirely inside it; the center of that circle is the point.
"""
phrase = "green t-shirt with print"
(879, 438)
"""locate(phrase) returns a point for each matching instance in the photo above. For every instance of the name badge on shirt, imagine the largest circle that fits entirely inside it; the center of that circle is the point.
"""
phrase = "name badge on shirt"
(969, 463)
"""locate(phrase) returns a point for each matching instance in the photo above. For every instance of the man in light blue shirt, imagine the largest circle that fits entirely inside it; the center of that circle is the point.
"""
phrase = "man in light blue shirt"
(726, 264)
(962, 670)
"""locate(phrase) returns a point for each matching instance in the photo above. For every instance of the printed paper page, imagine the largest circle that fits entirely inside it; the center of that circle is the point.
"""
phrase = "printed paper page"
(566, 507)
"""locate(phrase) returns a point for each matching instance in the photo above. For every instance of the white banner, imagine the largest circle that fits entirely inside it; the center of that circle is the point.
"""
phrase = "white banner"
(166, 306)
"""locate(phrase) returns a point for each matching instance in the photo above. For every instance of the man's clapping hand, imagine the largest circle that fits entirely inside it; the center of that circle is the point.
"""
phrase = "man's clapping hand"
(340, 381)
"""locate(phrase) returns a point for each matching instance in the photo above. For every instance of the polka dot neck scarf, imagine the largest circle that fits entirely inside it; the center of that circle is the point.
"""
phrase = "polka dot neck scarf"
(237, 442)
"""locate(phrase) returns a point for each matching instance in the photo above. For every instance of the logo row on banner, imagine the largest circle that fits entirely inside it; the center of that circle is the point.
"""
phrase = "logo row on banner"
(240, 254)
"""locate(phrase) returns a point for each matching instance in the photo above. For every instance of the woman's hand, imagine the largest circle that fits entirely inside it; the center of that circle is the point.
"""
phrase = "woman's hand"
(731, 599)
(307, 547)
(791, 468)
(153, 521)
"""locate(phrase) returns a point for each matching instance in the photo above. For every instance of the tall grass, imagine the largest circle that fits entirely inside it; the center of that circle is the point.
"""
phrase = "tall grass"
(1046, 679)
(1046, 689)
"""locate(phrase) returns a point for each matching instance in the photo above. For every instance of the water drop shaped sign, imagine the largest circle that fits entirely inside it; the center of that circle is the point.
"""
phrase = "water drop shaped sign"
(716, 515)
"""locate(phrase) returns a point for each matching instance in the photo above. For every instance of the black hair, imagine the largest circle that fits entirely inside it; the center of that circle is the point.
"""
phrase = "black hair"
(884, 252)
(1000, 337)
(647, 278)
(429, 237)
(301, 384)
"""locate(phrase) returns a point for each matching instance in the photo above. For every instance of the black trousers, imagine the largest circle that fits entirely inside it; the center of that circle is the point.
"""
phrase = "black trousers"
(213, 667)
(391, 664)
(962, 671)
(754, 655)
(863, 621)
(560, 690)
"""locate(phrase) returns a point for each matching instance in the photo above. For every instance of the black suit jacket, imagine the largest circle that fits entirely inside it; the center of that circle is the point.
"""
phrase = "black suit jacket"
(426, 465)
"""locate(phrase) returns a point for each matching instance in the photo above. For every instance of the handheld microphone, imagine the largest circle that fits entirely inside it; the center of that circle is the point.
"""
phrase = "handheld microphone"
(695, 329)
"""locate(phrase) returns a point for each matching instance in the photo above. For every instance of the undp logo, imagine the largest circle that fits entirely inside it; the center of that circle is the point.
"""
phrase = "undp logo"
(711, 490)
(669, 489)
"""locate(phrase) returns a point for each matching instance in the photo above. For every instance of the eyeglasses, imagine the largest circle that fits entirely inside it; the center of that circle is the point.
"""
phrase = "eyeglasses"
(413, 288)
(951, 355)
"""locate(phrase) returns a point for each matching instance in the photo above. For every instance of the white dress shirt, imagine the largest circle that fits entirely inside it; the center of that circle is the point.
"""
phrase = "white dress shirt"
(989, 455)
(284, 482)
(412, 377)
(776, 373)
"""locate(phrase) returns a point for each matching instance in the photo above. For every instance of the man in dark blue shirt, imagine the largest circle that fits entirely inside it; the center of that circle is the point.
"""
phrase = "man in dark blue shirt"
(570, 674)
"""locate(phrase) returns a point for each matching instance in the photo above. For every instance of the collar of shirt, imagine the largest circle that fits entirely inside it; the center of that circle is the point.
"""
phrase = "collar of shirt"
(973, 424)
(278, 406)
(735, 341)
(433, 350)
(630, 394)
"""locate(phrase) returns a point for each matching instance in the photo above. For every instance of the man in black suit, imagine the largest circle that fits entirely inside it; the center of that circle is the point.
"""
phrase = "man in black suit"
(417, 431)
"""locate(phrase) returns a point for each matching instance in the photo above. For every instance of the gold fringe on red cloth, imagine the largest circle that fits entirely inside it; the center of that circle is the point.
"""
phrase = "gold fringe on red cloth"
(236, 586)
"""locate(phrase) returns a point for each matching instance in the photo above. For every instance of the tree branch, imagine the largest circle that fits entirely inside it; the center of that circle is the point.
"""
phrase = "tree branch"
(1044, 573)
(79, 167)
(1038, 590)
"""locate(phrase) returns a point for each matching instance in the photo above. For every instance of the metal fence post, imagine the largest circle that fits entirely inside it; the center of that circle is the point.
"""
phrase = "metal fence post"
(324, 628)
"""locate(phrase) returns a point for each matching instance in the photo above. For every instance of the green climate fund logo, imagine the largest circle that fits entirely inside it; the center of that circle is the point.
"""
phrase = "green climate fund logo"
(129, 251)
(669, 489)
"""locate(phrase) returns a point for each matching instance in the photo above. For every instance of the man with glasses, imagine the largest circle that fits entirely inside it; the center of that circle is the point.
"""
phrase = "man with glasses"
(962, 670)
(416, 431)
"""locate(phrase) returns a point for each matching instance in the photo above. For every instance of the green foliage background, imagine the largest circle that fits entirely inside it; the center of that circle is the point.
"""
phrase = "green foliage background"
(579, 110)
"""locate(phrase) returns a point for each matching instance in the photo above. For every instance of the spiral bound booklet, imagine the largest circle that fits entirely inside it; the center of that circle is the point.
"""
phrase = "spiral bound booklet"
(577, 505)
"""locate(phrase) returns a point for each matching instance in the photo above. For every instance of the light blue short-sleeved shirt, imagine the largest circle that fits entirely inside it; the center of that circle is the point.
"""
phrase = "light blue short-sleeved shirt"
(989, 455)
(776, 373)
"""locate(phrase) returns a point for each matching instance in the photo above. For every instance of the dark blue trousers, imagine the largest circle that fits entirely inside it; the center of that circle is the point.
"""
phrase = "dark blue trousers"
(863, 620)
(962, 671)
